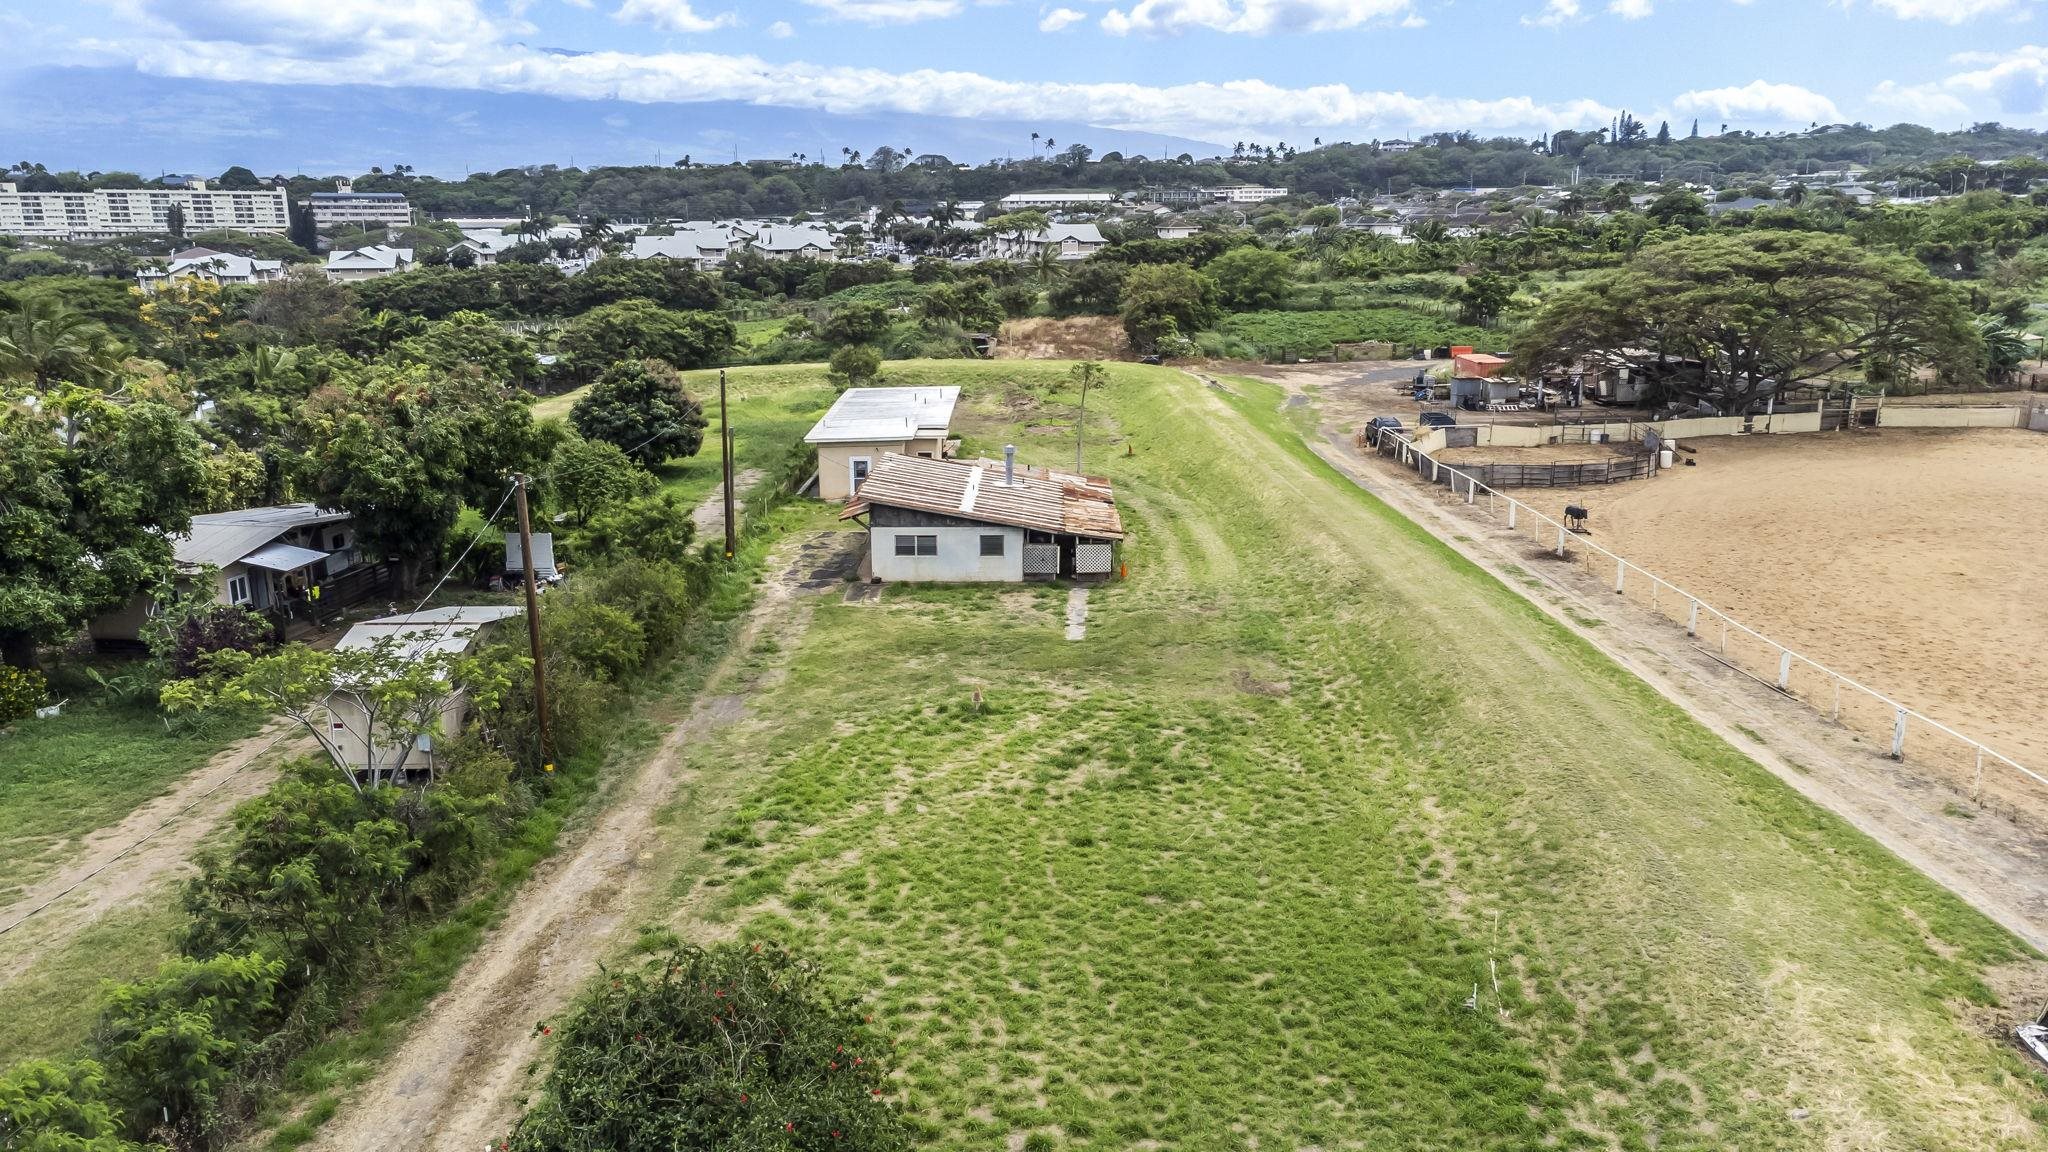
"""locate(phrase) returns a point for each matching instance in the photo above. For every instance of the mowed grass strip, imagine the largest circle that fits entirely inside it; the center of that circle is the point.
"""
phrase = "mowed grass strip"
(84, 769)
(1323, 838)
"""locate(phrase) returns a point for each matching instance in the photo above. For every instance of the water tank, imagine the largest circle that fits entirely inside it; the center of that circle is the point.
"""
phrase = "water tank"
(1665, 458)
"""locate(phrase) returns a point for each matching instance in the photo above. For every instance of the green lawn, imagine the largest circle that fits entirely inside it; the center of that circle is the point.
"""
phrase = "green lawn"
(89, 767)
(1321, 838)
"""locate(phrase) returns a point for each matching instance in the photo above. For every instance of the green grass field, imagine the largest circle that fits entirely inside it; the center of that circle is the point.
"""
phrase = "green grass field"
(87, 768)
(1321, 838)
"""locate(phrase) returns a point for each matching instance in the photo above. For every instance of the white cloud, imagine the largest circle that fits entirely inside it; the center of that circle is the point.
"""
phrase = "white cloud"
(2016, 79)
(1554, 14)
(674, 15)
(1946, 11)
(325, 25)
(1630, 9)
(888, 11)
(1210, 111)
(1059, 18)
(1253, 17)
(781, 30)
(1761, 100)
(1919, 103)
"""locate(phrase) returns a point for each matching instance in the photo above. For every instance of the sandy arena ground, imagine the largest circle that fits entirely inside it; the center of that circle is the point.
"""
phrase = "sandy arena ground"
(1914, 561)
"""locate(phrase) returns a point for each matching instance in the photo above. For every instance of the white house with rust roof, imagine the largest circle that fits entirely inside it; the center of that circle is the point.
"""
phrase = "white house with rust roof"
(981, 521)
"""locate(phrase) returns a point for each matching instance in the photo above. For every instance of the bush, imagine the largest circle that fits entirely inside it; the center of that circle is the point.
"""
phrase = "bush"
(855, 365)
(654, 527)
(173, 1042)
(605, 640)
(735, 1048)
(640, 407)
(49, 1107)
(192, 629)
(22, 691)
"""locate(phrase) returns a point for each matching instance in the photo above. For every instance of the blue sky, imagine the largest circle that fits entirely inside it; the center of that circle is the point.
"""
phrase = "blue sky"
(1219, 70)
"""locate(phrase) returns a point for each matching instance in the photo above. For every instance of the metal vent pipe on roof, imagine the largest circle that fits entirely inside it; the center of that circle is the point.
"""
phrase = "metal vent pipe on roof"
(1009, 465)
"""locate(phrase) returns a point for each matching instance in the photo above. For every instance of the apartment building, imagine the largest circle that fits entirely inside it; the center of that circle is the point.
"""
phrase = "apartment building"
(110, 212)
(346, 206)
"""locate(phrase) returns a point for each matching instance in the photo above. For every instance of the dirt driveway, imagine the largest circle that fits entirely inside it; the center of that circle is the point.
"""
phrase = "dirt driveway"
(458, 1079)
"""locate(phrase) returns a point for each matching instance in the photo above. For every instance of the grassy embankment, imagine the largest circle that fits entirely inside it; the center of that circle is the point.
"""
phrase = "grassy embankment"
(1323, 837)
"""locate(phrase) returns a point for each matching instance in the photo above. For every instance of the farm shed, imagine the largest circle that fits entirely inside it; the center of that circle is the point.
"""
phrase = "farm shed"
(864, 424)
(965, 521)
(416, 634)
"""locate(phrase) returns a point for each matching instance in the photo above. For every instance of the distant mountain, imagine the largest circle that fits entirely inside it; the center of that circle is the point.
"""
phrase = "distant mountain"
(113, 119)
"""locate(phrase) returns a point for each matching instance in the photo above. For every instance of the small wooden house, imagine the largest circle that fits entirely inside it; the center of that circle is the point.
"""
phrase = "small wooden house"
(965, 521)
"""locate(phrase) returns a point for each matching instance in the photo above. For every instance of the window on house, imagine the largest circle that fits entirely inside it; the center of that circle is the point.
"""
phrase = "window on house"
(917, 545)
(238, 590)
(992, 545)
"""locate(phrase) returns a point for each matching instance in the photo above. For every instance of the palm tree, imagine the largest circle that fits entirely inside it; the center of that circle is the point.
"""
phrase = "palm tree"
(2005, 348)
(265, 363)
(44, 342)
(944, 215)
(597, 232)
(1795, 195)
(1034, 145)
(1046, 266)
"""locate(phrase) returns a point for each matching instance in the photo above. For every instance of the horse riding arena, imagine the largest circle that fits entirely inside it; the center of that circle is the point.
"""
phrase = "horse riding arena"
(1912, 561)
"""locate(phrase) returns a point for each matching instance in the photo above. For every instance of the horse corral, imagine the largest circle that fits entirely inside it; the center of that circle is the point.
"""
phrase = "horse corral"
(1911, 560)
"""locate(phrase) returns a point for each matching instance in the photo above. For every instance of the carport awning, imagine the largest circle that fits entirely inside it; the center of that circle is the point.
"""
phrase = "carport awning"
(283, 557)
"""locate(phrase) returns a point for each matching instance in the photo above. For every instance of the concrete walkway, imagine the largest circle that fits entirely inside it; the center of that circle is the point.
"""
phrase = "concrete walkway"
(1077, 613)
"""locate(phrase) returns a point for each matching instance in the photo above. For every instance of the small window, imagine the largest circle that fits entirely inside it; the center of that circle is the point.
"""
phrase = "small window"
(917, 545)
(992, 545)
(906, 545)
(238, 590)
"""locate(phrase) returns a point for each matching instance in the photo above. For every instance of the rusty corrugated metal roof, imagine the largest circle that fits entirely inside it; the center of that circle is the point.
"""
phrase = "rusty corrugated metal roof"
(1044, 499)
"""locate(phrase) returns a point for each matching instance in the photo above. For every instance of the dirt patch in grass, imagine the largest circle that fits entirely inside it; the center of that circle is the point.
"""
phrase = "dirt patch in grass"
(1063, 338)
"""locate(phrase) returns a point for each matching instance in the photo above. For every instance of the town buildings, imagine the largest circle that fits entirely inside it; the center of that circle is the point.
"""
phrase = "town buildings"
(111, 212)
(346, 206)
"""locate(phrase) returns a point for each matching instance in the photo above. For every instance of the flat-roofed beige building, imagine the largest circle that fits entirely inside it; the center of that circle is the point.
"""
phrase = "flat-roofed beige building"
(865, 423)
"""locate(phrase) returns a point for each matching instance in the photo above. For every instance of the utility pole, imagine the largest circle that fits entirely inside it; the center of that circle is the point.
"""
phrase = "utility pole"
(725, 440)
(540, 674)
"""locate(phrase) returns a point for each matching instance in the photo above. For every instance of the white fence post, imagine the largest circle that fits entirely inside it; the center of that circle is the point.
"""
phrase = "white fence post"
(1560, 541)
(1692, 620)
(1899, 736)
(1512, 504)
(1471, 489)
(1784, 670)
(1837, 717)
(1620, 568)
(1977, 789)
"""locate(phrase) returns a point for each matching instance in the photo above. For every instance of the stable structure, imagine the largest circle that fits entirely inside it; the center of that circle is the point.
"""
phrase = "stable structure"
(865, 424)
(984, 521)
(414, 635)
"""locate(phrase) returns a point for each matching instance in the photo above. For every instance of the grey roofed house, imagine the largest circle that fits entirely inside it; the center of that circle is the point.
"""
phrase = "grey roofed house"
(864, 415)
(242, 536)
(1741, 204)
(449, 629)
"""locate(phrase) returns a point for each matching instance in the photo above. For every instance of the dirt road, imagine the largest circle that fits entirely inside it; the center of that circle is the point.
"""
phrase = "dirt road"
(458, 1079)
(123, 862)
(1989, 861)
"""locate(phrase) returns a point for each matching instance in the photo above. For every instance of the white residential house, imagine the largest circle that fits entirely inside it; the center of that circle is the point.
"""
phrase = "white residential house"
(346, 206)
(1398, 145)
(978, 521)
(413, 636)
(1070, 241)
(223, 268)
(109, 212)
(865, 424)
(700, 249)
(1177, 231)
(367, 263)
(791, 242)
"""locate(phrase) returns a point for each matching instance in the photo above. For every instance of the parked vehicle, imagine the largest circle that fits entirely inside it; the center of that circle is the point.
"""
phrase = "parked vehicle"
(1379, 424)
(1438, 420)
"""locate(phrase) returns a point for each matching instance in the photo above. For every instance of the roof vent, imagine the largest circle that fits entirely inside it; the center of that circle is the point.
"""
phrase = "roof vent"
(1009, 465)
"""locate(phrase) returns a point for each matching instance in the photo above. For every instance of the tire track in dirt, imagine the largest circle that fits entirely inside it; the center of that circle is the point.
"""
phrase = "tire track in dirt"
(456, 1080)
(125, 861)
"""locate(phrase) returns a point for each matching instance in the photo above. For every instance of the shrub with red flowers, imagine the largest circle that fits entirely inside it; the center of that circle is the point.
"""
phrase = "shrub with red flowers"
(728, 1049)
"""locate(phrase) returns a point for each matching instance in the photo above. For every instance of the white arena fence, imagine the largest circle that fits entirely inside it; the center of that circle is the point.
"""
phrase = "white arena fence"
(1960, 758)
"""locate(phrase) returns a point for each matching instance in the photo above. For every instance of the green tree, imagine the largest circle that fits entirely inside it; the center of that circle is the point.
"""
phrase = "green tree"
(1753, 314)
(1162, 300)
(1679, 208)
(585, 477)
(44, 342)
(655, 527)
(90, 494)
(641, 407)
(1248, 279)
(859, 322)
(730, 1049)
(855, 365)
(51, 1107)
(470, 342)
(643, 330)
(304, 307)
(1095, 286)
(402, 449)
(174, 221)
(969, 303)
(615, 278)
(172, 1042)
(2005, 349)
(1482, 297)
